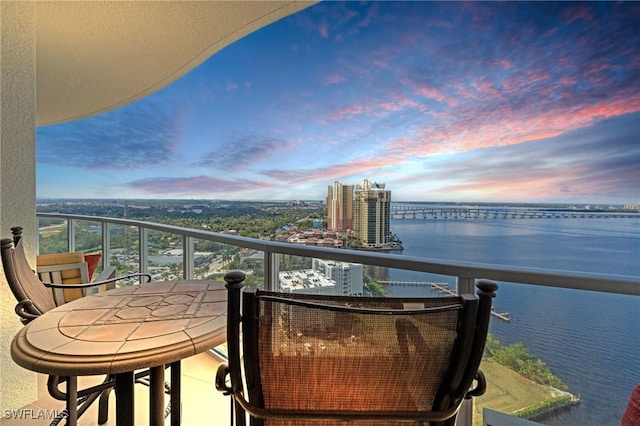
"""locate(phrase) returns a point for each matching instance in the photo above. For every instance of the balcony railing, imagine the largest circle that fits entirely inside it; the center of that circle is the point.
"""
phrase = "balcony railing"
(464, 273)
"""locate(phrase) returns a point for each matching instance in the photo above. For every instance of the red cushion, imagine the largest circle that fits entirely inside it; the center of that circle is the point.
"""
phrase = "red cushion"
(631, 416)
(92, 262)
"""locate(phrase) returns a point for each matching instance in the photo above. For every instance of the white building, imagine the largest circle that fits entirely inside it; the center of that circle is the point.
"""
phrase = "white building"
(348, 277)
(327, 277)
(306, 281)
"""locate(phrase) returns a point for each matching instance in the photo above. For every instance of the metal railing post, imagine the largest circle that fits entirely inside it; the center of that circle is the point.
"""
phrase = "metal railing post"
(106, 245)
(71, 235)
(466, 285)
(143, 247)
(188, 260)
(271, 270)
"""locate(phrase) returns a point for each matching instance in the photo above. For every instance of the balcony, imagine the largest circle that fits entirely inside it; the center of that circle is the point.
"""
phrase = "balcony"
(169, 251)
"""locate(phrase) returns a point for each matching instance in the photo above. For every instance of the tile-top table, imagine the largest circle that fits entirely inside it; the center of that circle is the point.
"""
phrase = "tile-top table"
(150, 325)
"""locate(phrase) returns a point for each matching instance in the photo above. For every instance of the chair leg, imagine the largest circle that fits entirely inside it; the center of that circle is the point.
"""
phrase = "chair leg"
(125, 399)
(103, 406)
(72, 401)
(176, 389)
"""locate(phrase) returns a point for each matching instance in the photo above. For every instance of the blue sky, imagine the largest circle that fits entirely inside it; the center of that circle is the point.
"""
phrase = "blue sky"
(441, 101)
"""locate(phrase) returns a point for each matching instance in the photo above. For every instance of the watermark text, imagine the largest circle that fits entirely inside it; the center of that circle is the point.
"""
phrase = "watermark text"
(30, 413)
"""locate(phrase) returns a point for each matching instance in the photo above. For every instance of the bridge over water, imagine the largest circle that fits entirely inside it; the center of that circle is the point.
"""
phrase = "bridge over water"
(408, 212)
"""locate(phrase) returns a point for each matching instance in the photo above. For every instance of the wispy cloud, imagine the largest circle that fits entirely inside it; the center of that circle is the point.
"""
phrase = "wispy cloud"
(601, 160)
(241, 151)
(334, 78)
(303, 176)
(144, 134)
(468, 100)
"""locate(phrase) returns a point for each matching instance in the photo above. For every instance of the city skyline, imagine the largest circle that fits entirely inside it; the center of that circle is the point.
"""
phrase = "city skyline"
(442, 101)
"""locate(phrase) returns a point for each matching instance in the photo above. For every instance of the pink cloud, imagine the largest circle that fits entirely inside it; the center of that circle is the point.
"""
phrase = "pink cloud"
(517, 84)
(577, 13)
(379, 63)
(390, 106)
(430, 92)
(567, 81)
(361, 166)
(538, 75)
(349, 111)
(501, 127)
(485, 87)
(323, 30)
(334, 78)
(535, 184)
(438, 23)
(405, 102)
(504, 63)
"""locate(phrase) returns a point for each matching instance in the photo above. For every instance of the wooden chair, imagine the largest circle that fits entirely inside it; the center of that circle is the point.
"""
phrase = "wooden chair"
(34, 299)
(35, 296)
(71, 268)
(297, 359)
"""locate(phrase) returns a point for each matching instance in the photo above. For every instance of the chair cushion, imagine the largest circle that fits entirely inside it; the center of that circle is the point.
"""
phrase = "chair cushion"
(72, 276)
(92, 262)
(631, 416)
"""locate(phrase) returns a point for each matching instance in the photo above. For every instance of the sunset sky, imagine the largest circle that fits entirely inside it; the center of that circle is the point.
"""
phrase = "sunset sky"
(441, 101)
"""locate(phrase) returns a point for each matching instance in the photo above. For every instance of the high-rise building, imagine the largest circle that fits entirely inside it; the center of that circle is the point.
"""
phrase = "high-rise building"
(372, 214)
(340, 207)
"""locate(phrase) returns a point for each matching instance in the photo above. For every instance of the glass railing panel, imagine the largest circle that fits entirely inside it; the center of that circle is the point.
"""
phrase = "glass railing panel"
(53, 235)
(124, 248)
(311, 275)
(586, 338)
(88, 239)
(206, 260)
(212, 260)
(403, 283)
(165, 255)
(251, 262)
(545, 362)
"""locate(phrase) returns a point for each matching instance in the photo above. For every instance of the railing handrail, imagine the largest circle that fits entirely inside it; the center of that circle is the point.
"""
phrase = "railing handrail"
(608, 283)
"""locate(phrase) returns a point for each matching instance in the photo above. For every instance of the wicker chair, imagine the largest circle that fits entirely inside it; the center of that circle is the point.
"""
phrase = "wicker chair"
(311, 359)
(34, 299)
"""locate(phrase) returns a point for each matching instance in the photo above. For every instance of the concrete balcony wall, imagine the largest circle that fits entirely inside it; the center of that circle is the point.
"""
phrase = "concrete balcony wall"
(17, 177)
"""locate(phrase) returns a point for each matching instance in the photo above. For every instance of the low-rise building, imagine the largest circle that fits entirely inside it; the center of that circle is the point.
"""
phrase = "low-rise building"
(326, 277)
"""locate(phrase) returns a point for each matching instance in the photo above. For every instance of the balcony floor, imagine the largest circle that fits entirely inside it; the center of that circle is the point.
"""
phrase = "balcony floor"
(201, 403)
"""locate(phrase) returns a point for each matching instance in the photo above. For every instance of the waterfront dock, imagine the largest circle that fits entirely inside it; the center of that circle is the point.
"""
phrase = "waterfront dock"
(443, 288)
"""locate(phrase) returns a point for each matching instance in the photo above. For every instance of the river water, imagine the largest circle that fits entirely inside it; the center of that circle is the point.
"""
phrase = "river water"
(590, 340)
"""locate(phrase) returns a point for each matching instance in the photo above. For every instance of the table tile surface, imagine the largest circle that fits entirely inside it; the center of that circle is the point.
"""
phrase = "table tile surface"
(125, 329)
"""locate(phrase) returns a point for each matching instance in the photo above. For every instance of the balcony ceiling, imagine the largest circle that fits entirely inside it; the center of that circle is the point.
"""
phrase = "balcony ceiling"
(94, 56)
